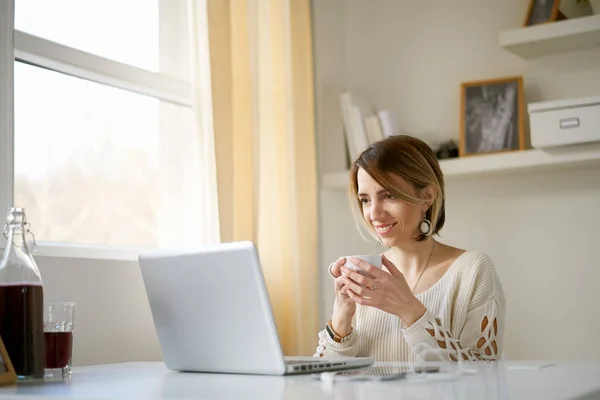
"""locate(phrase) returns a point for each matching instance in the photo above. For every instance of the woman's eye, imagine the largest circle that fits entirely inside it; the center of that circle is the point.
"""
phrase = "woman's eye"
(364, 201)
(389, 196)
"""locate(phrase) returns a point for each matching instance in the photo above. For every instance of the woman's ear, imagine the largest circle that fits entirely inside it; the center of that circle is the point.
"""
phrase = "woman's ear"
(428, 194)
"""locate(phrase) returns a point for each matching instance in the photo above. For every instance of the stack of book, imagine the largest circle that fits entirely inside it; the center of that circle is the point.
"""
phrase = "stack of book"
(363, 125)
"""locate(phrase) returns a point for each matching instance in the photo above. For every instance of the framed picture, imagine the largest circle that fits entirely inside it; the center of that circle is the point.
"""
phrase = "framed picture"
(7, 372)
(492, 116)
(541, 11)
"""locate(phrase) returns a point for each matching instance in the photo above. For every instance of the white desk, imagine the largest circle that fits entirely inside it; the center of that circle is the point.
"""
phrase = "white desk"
(508, 380)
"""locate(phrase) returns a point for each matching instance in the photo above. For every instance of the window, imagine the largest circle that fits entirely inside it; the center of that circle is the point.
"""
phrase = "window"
(122, 30)
(102, 114)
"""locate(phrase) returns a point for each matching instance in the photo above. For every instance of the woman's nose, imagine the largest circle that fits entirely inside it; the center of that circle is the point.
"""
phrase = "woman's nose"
(376, 211)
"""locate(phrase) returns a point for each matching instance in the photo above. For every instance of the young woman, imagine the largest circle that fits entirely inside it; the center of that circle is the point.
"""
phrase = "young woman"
(426, 295)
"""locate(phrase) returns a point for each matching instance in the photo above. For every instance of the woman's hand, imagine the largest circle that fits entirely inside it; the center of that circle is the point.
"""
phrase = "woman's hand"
(334, 267)
(345, 306)
(387, 291)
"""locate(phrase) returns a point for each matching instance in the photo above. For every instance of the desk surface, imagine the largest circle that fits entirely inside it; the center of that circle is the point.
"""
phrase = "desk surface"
(506, 380)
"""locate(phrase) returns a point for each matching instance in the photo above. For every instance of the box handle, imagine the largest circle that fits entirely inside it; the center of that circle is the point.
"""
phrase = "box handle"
(567, 123)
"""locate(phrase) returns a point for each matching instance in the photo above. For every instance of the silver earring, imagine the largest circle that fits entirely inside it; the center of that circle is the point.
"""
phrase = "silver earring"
(425, 226)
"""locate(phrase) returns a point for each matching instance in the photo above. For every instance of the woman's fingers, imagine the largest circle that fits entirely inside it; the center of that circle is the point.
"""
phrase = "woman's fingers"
(338, 283)
(334, 267)
(370, 269)
(356, 288)
(358, 278)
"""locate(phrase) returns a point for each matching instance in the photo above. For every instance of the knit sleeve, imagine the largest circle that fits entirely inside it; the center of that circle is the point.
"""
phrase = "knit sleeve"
(329, 348)
(481, 336)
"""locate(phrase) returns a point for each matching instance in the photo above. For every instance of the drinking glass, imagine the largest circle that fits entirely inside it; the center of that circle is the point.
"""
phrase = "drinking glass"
(58, 337)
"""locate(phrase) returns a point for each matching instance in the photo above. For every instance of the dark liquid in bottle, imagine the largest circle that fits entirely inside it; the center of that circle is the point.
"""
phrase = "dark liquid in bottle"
(22, 328)
(58, 348)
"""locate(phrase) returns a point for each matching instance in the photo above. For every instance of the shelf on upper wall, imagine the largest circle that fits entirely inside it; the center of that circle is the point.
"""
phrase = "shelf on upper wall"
(535, 159)
(553, 37)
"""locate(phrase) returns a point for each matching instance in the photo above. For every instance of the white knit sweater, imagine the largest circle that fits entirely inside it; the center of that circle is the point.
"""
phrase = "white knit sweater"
(464, 318)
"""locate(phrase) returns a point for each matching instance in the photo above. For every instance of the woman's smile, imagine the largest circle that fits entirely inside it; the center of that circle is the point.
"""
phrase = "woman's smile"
(384, 229)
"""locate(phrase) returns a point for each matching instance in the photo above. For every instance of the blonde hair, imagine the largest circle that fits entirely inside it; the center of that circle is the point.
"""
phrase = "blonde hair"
(412, 160)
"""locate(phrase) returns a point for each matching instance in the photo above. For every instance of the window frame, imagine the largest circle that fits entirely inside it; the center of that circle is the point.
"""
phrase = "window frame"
(168, 85)
(6, 106)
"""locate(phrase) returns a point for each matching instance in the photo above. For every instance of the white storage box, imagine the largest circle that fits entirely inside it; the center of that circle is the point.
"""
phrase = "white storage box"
(564, 122)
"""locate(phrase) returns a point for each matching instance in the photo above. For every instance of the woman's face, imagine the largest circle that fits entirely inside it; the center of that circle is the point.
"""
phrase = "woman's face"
(395, 221)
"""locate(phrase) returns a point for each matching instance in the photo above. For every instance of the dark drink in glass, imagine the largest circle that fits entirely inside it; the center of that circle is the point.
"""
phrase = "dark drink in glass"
(58, 337)
(59, 346)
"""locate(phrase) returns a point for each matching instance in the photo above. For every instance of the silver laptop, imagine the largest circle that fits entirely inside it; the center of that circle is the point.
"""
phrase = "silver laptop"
(212, 314)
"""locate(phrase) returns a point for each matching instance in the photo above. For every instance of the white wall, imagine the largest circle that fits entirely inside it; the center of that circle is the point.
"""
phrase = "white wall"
(113, 322)
(541, 229)
(410, 57)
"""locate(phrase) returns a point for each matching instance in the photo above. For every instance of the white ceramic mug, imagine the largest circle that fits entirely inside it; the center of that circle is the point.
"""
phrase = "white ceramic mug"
(375, 260)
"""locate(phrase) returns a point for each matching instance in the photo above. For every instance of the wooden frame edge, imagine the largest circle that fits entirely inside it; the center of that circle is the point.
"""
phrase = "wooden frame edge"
(10, 376)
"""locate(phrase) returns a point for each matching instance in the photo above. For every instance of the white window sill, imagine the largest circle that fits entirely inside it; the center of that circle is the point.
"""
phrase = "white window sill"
(87, 251)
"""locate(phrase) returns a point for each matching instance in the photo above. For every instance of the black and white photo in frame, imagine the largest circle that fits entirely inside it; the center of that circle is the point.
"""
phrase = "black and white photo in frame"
(492, 113)
(542, 11)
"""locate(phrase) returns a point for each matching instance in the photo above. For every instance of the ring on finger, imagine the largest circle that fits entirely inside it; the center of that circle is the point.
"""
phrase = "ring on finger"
(375, 285)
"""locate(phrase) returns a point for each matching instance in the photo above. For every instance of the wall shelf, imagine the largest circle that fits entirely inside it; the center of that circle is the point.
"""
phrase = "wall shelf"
(511, 162)
(553, 38)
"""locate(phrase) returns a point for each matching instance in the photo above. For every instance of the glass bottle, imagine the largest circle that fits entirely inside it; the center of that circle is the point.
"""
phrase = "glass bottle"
(21, 299)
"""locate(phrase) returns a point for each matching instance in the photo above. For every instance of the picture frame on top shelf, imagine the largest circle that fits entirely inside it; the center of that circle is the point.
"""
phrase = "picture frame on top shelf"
(7, 372)
(542, 11)
(492, 116)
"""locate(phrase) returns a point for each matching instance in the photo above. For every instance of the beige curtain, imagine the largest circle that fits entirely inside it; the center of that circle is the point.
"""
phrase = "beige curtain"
(188, 166)
(262, 83)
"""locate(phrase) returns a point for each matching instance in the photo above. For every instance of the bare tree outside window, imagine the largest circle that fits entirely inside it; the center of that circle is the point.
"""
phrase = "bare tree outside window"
(86, 159)
(106, 145)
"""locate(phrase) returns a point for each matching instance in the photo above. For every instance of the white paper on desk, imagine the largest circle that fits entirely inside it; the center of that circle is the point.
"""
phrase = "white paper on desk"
(530, 365)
